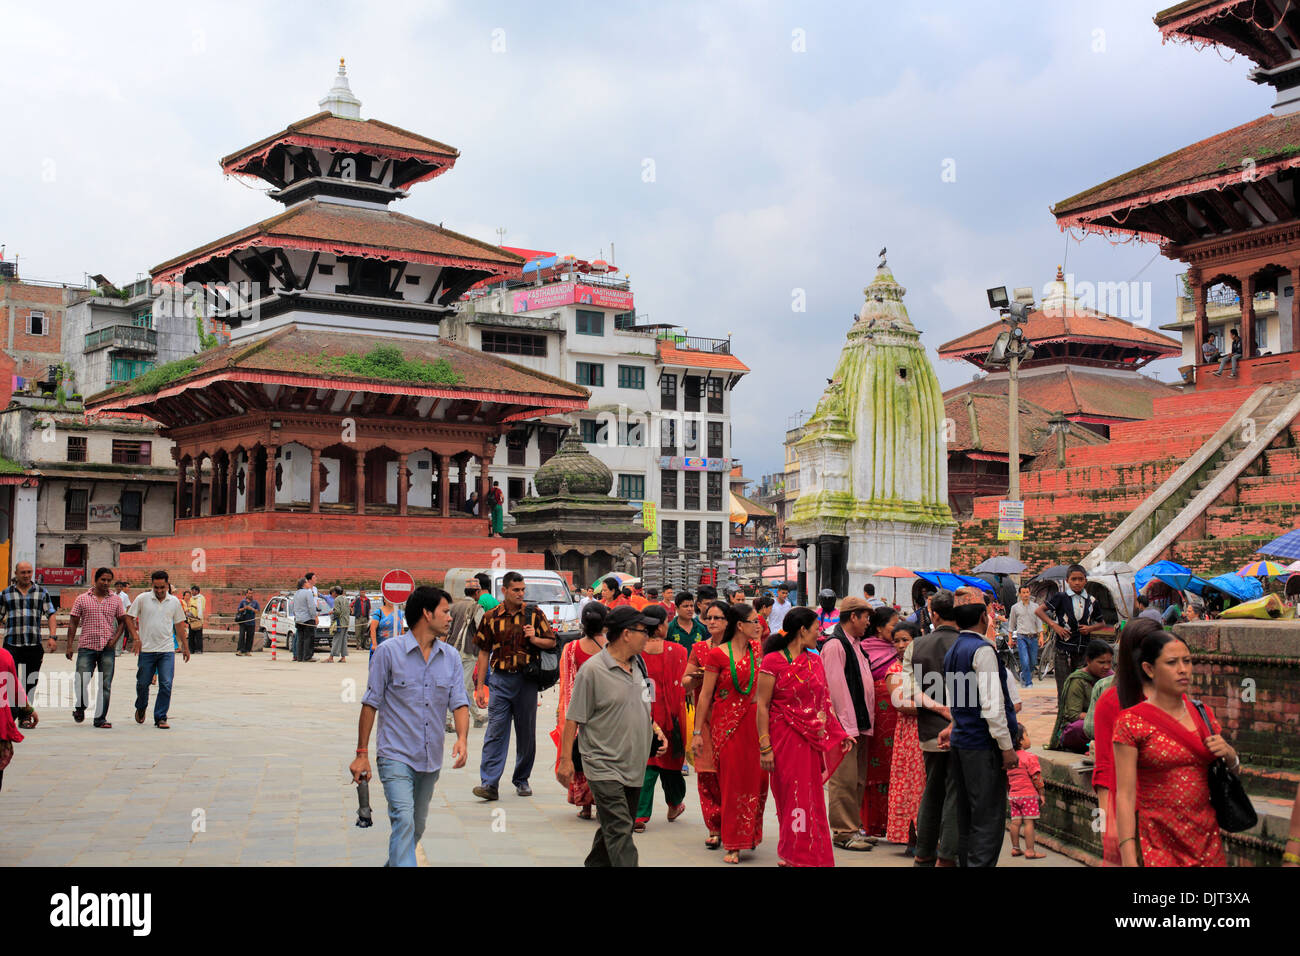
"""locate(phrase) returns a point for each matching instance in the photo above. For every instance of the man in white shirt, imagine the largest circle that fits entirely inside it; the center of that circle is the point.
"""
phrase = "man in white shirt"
(156, 622)
(125, 598)
(782, 605)
(1025, 628)
(198, 612)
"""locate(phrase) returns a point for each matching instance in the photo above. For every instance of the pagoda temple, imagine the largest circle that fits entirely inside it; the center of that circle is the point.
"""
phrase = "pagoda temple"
(335, 431)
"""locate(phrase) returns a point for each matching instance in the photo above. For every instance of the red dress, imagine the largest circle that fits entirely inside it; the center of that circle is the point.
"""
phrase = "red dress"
(734, 726)
(906, 776)
(1176, 822)
(875, 797)
(706, 768)
(806, 738)
(1103, 771)
(572, 658)
(668, 709)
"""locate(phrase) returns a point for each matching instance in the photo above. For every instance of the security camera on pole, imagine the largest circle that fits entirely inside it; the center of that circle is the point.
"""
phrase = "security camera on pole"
(1010, 349)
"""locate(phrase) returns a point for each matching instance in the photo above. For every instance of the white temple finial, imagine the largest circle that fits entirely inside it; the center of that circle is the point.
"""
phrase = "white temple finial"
(340, 100)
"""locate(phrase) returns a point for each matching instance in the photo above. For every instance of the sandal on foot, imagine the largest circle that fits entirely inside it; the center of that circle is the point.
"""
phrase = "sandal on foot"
(639, 826)
(675, 812)
(105, 725)
(732, 856)
(1016, 851)
(1035, 856)
(713, 842)
(584, 813)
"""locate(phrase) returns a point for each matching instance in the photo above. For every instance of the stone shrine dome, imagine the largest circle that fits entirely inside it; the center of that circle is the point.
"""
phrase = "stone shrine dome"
(574, 468)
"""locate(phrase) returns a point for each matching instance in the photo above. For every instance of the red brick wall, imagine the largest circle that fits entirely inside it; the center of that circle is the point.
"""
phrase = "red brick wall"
(33, 354)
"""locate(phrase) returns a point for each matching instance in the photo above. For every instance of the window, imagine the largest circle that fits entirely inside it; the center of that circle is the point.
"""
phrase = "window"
(131, 452)
(412, 279)
(142, 318)
(590, 429)
(514, 343)
(591, 373)
(631, 376)
(667, 489)
(625, 320)
(590, 323)
(631, 434)
(668, 391)
(715, 491)
(548, 443)
(668, 434)
(631, 487)
(692, 541)
(124, 370)
(692, 433)
(715, 439)
(131, 506)
(693, 386)
(516, 447)
(76, 448)
(325, 270)
(714, 536)
(668, 536)
(36, 323)
(714, 391)
(74, 510)
(692, 496)
(514, 489)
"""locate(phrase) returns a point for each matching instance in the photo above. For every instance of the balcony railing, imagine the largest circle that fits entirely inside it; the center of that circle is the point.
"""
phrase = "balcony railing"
(697, 344)
(122, 337)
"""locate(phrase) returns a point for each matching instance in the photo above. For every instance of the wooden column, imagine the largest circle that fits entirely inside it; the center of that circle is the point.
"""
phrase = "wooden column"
(1247, 317)
(1202, 325)
(214, 489)
(232, 486)
(401, 482)
(271, 451)
(361, 482)
(461, 477)
(484, 485)
(315, 481)
(1295, 308)
(444, 485)
(196, 509)
(181, 469)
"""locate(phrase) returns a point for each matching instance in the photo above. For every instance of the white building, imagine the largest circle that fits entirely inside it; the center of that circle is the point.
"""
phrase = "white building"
(660, 410)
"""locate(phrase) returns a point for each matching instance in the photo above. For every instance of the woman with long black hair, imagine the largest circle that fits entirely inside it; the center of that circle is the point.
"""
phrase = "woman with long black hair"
(714, 617)
(726, 712)
(1163, 750)
(800, 741)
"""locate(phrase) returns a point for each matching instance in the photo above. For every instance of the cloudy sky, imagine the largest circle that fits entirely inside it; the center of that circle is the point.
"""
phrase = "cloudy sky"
(732, 152)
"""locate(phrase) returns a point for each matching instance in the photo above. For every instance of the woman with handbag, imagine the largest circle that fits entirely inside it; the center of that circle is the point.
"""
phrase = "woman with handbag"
(726, 712)
(1164, 748)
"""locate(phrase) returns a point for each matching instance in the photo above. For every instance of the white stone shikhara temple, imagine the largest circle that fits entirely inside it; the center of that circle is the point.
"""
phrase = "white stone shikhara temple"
(873, 481)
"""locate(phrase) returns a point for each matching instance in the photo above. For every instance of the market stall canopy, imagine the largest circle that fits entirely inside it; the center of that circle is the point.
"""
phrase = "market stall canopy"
(950, 581)
(999, 564)
(1243, 589)
(1167, 571)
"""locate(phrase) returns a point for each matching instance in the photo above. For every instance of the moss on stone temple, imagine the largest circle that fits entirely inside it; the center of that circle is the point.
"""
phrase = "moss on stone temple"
(8, 467)
(386, 362)
(163, 375)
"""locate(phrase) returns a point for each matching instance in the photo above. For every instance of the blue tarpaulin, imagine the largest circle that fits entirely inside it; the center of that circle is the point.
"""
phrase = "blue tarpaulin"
(950, 581)
(1243, 589)
(1174, 575)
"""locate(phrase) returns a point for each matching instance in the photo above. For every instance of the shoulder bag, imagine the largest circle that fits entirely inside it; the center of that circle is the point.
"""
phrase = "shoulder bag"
(1232, 808)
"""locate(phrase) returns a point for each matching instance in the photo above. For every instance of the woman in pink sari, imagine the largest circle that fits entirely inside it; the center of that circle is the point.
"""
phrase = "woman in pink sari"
(878, 646)
(574, 655)
(800, 741)
(12, 695)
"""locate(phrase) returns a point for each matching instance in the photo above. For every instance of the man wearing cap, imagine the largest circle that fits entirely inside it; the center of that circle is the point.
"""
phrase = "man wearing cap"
(611, 705)
(853, 697)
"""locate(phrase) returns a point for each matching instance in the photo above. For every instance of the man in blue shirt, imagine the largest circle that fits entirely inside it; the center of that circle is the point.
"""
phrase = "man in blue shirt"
(415, 679)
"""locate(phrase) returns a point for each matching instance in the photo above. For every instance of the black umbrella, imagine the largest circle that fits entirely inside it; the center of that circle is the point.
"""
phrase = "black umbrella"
(1057, 573)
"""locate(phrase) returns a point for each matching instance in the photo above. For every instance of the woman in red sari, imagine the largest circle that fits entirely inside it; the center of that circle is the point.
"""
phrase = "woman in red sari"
(878, 646)
(574, 655)
(714, 616)
(907, 765)
(1163, 751)
(665, 663)
(800, 740)
(726, 713)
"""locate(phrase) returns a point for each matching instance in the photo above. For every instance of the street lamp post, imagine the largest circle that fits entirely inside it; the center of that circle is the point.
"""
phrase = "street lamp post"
(1010, 348)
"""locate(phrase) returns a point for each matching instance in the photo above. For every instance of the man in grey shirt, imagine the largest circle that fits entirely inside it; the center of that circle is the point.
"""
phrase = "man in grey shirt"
(304, 621)
(1023, 622)
(610, 702)
(1142, 605)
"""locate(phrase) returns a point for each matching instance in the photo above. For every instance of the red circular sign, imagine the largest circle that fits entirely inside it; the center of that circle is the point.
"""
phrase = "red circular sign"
(396, 586)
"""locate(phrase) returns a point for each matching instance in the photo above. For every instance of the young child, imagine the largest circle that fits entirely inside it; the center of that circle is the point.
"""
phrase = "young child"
(1025, 785)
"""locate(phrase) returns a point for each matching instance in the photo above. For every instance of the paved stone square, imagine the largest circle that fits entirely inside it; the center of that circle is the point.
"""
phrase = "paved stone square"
(253, 772)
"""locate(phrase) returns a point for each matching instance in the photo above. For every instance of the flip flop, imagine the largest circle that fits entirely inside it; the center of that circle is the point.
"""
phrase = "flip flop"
(733, 857)
(713, 842)
(1035, 856)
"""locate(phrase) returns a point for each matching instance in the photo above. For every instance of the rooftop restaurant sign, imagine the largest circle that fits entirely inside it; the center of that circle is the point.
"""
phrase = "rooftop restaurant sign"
(571, 293)
(695, 464)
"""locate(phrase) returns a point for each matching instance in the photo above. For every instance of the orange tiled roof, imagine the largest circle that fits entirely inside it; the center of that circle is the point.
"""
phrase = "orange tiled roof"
(326, 226)
(992, 426)
(370, 135)
(1080, 393)
(670, 354)
(1075, 324)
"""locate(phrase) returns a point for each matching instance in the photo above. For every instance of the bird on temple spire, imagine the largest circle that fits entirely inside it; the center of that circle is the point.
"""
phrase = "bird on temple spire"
(882, 258)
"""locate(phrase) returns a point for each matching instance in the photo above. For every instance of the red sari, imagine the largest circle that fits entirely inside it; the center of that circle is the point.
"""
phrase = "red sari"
(806, 739)
(734, 726)
(1176, 822)
(1103, 772)
(875, 796)
(906, 777)
(572, 658)
(668, 709)
(706, 768)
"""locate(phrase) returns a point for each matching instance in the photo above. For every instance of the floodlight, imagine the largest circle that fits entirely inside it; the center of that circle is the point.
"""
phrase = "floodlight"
(998, 298)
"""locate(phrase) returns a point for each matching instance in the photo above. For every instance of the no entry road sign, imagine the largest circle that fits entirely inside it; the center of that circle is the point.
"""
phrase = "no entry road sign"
(396, 586)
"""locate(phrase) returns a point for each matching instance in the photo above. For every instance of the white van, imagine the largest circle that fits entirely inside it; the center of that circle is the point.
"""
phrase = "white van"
(546, 589)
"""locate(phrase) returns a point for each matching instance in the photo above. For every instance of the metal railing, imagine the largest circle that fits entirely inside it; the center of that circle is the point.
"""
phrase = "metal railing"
(696, 343)
(122, 336)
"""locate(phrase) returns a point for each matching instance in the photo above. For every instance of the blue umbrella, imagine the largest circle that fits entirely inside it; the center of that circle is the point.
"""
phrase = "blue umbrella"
(1173, 574)
(1287, 546)
(1243, 589)
(950, 581)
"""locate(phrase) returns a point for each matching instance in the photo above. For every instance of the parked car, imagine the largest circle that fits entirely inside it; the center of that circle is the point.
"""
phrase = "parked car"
(547, 589)
(277, 621)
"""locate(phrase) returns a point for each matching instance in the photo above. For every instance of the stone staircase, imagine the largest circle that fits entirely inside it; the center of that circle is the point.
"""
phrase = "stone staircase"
(1205, 481)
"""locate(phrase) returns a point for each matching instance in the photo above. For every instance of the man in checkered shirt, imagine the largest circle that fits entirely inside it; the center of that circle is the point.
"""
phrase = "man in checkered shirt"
(99, 615)
(24, 606)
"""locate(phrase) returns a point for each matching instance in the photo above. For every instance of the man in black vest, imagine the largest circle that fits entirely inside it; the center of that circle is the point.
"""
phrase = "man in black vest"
(1075, 613)
(983, 730)
(936, 821)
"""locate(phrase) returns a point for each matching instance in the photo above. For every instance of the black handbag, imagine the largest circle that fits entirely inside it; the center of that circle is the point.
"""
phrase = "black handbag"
(1232, 808)
(543, 667)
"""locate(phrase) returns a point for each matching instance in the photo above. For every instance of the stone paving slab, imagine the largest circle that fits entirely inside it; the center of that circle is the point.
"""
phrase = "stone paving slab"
(253, 772)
